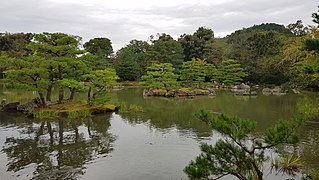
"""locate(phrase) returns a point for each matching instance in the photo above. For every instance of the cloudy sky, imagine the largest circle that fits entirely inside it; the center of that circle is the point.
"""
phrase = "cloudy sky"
(124, 20)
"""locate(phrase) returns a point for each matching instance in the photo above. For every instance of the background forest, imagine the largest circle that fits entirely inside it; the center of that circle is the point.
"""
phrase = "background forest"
(269, 53)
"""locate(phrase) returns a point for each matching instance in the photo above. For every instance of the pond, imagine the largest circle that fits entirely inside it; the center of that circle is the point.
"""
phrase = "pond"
(156, 144)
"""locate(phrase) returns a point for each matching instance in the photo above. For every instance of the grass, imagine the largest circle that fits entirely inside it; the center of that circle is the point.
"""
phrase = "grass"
(41, 114)
(159, 91)
(185, 90)
(309, 108)
(124, 108)
(79, 113)
(289, 164)
(72, 109)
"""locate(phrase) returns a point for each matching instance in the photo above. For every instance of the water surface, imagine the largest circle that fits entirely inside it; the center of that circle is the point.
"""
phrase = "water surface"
(156, 144)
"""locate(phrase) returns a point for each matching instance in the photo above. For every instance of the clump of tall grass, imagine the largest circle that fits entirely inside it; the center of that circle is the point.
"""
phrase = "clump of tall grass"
(309, 108)
(45, 114)
(289, 164)
(124, 108)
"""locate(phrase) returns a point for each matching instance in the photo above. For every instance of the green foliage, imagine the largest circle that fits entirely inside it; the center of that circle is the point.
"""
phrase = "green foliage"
(60, 52)
(230, 72)
(99, 81)
(15, 45)
(214, 51)
(309, 108)
(131, 61)
(193, 72)
(26, 73)
(99, 46)
(100, 51)
(239, 153)
(95, 62)
(195, 45)
(128, 70)
(102, 99)
(258, 49)
(166, 50)
(50, 45)
(312, 45)
(282, 132)
(161, 76)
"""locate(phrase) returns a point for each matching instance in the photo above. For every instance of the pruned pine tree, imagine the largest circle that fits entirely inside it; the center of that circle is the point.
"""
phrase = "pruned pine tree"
(240, 153)
(161, 76)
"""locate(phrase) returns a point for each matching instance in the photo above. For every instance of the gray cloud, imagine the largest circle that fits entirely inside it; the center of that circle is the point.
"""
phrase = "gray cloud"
(122, 24)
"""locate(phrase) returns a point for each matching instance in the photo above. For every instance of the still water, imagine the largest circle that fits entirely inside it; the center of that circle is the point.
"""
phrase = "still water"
(156, 144)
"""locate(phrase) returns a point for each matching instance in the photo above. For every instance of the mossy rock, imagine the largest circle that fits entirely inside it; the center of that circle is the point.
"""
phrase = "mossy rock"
(73, 110)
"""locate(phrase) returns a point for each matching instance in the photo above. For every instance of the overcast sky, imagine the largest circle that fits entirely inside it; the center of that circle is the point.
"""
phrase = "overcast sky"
(124, 20)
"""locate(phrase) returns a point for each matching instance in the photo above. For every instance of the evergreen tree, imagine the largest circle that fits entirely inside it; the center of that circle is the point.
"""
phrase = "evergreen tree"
(166, 50)
(99, 81)
(230, 72)
(161, 76)
(101, 49)
(58, 49)
(240, 153)
(193, 72)
(131, 61)
(28, 74)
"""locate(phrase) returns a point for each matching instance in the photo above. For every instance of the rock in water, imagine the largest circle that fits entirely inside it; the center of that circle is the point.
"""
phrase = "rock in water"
(29, 107)
(3, 102)
(10, 107)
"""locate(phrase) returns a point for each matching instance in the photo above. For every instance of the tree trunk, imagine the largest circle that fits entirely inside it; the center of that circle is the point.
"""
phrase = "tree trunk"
(49, 92)
(61, 90)
(43, 103)
(259, 173)
(73, 90)
(89, 94)
(61, 95)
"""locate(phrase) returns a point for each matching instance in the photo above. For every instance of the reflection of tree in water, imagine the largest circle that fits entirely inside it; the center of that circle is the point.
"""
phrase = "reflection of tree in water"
(59, 149)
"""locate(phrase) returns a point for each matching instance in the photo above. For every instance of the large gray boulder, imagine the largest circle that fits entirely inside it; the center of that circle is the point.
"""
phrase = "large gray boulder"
(242, 86)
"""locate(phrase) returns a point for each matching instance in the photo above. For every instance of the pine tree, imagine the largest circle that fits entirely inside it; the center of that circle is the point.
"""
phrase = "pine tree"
(161, 76)
(240, 153)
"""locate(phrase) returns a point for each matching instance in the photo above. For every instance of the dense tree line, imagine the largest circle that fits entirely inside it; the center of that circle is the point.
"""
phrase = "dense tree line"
(270, 53)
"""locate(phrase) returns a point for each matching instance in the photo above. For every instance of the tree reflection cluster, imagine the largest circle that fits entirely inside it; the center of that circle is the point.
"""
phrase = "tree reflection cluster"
(59, 149)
